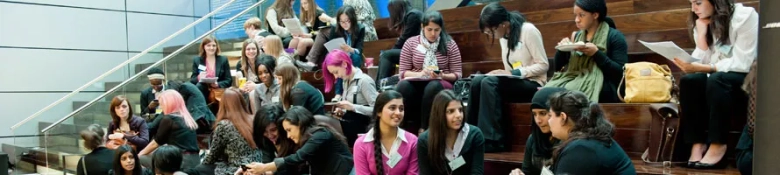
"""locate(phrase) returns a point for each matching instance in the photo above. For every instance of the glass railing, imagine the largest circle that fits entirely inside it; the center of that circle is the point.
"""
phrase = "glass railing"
(61, 138)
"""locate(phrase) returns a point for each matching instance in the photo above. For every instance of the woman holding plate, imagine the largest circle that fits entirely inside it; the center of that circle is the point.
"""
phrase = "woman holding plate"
(594, 63)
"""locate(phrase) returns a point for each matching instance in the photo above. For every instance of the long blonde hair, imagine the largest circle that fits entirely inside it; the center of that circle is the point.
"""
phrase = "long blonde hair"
(283, 10)
(274, 46)
(172, 102)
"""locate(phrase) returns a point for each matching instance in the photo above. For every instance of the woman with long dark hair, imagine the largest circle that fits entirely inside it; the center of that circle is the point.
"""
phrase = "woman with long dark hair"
(450, 145)
(358, 93)
(725, 61)
(320, 145)
(232, 144)
(270, 137)
(525, 70)
(404, 20)
(539, 146)
(125, 126)
(585, 134)
(126, 162)
(597, 67)
(386, 149)
(353, 33)
(430, 62)
(294, 92)
(267, 92)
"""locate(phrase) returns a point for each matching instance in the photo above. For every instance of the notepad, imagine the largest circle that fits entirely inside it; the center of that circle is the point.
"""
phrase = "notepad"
(335, 44)
(669, 50)
(294, 26)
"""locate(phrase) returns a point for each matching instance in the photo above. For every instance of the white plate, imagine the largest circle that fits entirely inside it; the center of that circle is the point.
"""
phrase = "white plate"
(568, 47)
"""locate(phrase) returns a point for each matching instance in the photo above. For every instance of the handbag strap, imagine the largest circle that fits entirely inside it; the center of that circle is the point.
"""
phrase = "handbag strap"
(83, 165)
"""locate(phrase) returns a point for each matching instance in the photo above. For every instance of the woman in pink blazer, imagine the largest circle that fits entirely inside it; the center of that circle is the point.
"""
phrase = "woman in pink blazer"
(386, 149)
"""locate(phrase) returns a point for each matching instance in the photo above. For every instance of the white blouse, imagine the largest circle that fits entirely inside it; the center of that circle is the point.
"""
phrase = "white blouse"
(743, 34)
(529, 54)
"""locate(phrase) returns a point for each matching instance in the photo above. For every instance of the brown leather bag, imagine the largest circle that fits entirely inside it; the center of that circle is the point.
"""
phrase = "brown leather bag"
(663, 133)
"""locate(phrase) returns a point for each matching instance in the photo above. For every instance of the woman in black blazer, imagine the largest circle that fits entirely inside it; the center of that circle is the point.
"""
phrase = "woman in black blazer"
(95, 161)
(320, 145)
(405, 21)
(209, 64)
(353, 33)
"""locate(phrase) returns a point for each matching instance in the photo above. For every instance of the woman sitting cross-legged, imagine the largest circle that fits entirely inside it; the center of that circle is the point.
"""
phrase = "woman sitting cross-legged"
(176, 128)
(358, 93)
(430, 62)
(586, 144)
(320, 145)
(387, 149)
(450, 145)
(596, 68)
(525, 70)
(232, 144)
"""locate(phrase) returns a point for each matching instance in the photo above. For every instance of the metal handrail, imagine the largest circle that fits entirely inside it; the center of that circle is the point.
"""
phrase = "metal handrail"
(36, 114)
(175, 53)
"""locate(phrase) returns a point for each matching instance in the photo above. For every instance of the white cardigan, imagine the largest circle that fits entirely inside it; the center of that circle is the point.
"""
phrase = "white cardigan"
(743, 34)
(529, 52)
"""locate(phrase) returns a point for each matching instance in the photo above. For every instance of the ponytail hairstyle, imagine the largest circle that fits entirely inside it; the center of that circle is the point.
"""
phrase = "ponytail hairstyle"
(434, 16)
(335, 58)
(596, 6)
(381, 101)
(494, 14)
(587, 118)
(172, 103)
(93, 136)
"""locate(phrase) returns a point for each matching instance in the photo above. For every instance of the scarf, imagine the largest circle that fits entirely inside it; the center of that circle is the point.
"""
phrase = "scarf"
(541, 146)
(430, 62)
(581, 73)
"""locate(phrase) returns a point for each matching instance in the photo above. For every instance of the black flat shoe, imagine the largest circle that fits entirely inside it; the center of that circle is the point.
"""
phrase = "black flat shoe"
(719, 165)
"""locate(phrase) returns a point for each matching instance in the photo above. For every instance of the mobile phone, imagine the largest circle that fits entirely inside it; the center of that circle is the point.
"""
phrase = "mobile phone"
(243, 168)
(437, 71)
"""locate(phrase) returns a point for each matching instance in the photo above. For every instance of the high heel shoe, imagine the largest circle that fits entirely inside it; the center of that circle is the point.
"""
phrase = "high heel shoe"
(692, 164)
(720, 165)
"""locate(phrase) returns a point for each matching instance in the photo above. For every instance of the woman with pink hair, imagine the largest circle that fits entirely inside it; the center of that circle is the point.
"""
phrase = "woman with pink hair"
(176, 128)
(358, 93)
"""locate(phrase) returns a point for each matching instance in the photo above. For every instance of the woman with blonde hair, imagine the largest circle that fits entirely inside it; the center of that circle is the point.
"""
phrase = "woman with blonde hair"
(281, 9)
(176, 128)
(272, 45)
(232, 143)
(312, 17)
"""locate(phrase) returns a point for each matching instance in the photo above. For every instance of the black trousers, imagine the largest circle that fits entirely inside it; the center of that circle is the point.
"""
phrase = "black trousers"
(387, 61)
(418, 97)
(708, 103)
(744, 150)
(485, 104)
(353, 124)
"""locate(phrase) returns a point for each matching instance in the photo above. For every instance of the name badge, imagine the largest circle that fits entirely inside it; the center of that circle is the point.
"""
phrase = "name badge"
(275, 99)
(457, 163)
(517, 64)
(394, 159)
(517, 47)
(421, 49)
(201, 68)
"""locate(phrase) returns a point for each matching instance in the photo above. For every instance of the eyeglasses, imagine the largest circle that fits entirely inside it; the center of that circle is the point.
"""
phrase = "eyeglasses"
(345, 22)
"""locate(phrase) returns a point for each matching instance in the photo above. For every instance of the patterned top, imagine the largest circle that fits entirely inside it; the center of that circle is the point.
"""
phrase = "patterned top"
(229, 150)
(412, 57)
(365, 15)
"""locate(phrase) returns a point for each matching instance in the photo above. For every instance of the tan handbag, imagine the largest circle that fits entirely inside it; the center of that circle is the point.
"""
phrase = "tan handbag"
(646, 82)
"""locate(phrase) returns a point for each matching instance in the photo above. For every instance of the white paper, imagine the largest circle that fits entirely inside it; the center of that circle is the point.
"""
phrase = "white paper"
(669, 50)
(443, 4)
(294, 26)
(335, 44)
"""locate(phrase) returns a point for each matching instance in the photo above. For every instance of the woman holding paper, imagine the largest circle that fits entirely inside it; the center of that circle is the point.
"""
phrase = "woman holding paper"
(365, 17)
(312, 17)
(725, 61)
(352, 33)
(430, 62)
(595, 67)
(525, 70)
(281, 9)
(450, 146)
(404, 20)
(210, 70)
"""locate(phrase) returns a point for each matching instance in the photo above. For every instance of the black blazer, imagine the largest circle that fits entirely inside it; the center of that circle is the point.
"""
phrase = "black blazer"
(99, 161)
(412, 26)
(223, 71)
(473, 153)
(323, 151)
(357, 37)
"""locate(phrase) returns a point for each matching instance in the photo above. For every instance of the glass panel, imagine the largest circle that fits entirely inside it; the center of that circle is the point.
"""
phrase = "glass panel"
(63, 143)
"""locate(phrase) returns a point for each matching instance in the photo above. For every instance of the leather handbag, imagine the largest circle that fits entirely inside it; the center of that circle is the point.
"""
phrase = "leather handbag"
(663, 134)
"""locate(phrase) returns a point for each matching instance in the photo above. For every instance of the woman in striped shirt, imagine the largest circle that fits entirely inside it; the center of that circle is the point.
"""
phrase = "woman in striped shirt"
(429, 63)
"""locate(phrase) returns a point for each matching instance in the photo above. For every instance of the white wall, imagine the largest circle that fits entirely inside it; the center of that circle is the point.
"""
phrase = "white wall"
(50, 48)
